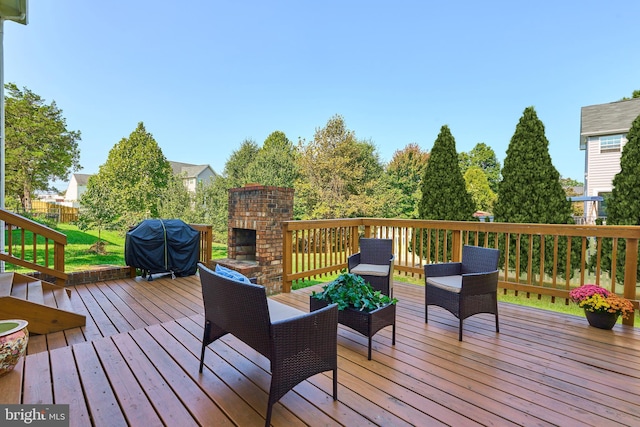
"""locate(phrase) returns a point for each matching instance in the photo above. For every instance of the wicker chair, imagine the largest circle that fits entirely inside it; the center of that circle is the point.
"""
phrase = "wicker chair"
(464, 288)
(374, 263)
(298, 344)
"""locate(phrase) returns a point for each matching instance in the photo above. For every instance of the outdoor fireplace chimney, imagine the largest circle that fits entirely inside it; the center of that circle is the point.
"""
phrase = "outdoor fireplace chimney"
(254, 245)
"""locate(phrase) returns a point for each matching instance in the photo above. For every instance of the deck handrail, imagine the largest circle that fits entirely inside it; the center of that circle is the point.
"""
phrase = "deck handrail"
(46, 245)
(319, 247)
(206, 241)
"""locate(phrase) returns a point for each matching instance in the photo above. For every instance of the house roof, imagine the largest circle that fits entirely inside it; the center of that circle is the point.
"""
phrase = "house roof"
(608, 119)
(188, 170)
(81, 178)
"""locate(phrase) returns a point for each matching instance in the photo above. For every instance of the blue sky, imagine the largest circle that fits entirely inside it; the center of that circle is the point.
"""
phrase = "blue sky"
(205, 75)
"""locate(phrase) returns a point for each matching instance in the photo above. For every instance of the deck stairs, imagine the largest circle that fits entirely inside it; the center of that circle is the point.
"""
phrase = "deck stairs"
(47, 307)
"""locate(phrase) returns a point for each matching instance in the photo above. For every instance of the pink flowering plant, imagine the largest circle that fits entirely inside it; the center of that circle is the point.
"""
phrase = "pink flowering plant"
(599, 300)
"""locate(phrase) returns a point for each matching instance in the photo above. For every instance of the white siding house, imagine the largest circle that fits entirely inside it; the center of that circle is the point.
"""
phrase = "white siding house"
(192, 174)
(603, 131)
(77, 186)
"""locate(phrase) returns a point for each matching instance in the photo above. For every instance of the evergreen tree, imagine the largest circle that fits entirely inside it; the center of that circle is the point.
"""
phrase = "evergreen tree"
(530, 190)
(623, 207)
(444, 192)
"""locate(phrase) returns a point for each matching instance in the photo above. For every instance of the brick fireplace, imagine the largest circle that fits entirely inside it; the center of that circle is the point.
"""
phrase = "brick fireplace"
(254, 243)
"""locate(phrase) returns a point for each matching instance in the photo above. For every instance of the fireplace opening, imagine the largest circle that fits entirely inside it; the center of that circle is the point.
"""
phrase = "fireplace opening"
(244, 244)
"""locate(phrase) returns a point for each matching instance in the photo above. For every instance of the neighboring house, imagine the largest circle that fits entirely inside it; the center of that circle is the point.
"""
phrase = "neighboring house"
(603, 131)
(192, 174)
(77, 186)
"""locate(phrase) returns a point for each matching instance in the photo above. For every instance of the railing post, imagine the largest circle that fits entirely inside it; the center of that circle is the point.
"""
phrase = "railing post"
(456, 245)
(287, 253)
(630, 274)
(355, 240)
(58, 261)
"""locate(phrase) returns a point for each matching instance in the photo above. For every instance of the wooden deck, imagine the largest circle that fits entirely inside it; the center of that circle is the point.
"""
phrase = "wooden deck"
(136, 363)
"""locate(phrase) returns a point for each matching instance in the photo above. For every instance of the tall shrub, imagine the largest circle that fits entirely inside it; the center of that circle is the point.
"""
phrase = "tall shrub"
(530, 191)
(444, 192)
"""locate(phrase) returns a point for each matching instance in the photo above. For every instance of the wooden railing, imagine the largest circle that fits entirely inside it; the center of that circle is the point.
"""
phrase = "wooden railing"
(534, 257)
(34, 246)
(206, 241)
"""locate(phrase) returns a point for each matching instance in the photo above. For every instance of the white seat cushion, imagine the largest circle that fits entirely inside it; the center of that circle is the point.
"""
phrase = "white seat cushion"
(370, 270)
(280, 311)
(449, 283)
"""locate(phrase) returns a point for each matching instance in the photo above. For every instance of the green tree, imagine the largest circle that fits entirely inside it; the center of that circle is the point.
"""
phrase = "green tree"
(339, 175)
(483, 157)
(236, 169)
(176, 201)
(478, 186)
(137, 175)
(39, 148)
(403, 174)
(623, 207)
(530, 190)
(275, 162)
(98, 209)
(444, 192)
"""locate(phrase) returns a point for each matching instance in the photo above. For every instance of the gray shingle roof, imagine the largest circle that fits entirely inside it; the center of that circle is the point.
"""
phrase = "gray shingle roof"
(608, 119)
(82, 178)
(187, 170)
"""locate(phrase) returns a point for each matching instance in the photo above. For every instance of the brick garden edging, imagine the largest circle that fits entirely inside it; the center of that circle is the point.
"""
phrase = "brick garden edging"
(98, 274)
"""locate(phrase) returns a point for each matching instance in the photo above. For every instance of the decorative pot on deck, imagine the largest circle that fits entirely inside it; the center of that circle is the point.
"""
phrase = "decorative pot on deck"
(13, 343)
(601, 320)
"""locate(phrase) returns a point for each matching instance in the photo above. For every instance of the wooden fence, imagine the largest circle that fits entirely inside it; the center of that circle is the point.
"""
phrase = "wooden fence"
(55, 212)
(539, 259)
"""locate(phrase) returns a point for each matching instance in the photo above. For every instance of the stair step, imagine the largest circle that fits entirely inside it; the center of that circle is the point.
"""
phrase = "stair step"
(19, 290)
(6, 283)
(62, 299)
(34, 292)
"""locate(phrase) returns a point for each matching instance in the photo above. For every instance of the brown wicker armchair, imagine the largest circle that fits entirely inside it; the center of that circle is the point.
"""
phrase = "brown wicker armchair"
(298, 344)
(374, 263)
(464, 288)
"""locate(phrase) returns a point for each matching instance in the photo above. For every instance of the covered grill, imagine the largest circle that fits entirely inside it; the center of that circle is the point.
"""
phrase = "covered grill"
(163, 246)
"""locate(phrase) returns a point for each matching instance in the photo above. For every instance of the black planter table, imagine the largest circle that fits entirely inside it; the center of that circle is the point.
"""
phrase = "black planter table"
(366, 323)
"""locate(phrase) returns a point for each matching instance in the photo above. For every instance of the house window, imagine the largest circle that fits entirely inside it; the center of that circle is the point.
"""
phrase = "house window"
(610, 143)
(602, 206)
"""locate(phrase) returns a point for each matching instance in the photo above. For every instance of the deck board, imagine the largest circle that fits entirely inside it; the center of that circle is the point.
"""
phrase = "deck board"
(136, 363)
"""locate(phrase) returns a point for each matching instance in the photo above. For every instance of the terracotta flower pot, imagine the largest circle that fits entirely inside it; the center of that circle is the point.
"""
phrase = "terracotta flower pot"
(13, 343)
(601, 320)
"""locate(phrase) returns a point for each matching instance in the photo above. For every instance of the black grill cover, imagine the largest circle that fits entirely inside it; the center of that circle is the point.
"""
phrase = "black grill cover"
(163, 245)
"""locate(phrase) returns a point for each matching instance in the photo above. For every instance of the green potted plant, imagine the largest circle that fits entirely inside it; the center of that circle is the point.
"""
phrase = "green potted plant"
(351, 290)
(360, 307)
(601, 307)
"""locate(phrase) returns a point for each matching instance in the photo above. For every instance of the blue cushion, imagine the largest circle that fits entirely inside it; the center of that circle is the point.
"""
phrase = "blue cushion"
(231, 274)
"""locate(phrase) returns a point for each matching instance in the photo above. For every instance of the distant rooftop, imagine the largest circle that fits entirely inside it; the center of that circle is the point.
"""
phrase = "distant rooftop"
(608, 119)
